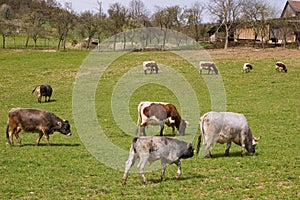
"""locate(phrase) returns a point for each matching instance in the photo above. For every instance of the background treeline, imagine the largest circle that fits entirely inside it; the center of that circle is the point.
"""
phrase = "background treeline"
(49, 21)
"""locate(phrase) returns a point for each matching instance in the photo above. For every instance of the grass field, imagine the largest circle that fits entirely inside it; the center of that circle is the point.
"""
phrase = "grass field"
(67, 170)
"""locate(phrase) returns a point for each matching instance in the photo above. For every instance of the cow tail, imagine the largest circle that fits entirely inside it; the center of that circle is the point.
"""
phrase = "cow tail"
(138, 120)
(200, 135)
(7, 128)
(34, 89)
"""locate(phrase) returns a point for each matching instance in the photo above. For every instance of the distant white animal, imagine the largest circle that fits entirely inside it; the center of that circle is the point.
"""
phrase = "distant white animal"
(210, 66)
(280, 66)
(247, 67)
(150, 65)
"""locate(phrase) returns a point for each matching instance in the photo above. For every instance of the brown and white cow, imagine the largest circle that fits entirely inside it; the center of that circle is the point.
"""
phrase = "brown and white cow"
(210, 66)
(34, 120)
(150, 65)
(159, 113)
(247, 67)
(152, 148)
(280, 66)
(225, 127)
(43, 90)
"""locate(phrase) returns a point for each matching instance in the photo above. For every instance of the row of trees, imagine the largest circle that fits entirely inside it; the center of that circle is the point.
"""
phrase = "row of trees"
(47, 18)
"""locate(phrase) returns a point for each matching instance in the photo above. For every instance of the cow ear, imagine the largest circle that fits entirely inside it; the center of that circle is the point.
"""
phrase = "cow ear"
(59, 124)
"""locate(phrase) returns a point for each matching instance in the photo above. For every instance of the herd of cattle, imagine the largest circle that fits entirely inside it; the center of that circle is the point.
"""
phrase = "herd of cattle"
(215, 127)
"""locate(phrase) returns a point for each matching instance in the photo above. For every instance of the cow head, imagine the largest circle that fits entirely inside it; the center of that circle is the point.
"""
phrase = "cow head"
(251, 147)
(189, 151)
(182, 126)
(64, 127)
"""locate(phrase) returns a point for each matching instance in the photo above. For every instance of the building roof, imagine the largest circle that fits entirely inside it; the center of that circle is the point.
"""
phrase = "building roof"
(293, 6)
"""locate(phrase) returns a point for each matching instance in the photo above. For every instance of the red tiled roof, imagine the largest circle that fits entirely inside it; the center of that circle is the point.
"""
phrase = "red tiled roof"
(295, 5)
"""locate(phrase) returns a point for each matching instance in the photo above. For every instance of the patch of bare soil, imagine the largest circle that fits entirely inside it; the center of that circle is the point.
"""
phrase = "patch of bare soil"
(277, 54)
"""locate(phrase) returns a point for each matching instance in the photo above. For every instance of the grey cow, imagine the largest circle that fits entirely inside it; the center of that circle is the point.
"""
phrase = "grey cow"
(152, 148)
(225, 127)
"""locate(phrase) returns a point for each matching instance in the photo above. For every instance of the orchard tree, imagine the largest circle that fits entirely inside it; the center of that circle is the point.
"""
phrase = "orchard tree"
(226, 12)
(193, 19)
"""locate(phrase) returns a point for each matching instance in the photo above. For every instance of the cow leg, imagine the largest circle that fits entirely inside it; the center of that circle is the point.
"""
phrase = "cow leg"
(228, 145)
(207, 145)
(141, 165)
(243, 143)
(173, 130)
(129, 163)
(142, 130)
(47, 139)
(39, 98)
(39, 138)
(10, 134)
(163, 169)
(18, 137)
(178, 168)
(161, 130)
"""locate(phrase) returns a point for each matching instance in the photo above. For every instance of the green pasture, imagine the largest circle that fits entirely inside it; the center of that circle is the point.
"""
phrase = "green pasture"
(67, 170)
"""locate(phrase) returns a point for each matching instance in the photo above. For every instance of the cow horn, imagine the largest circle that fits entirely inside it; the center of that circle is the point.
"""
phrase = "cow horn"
(256, 139)
(59, 124)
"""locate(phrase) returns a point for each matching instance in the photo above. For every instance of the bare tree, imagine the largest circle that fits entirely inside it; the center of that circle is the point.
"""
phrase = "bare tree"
(226, 12)
(88, 26)
(256, 13)
(193, 17)
(117, 20)
(64, 21)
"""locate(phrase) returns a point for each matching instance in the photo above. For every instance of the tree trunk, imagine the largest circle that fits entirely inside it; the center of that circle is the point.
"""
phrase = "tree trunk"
(3, 41)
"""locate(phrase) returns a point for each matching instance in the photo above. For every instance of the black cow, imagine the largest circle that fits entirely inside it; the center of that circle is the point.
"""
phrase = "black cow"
(34, 120)
(43, 90)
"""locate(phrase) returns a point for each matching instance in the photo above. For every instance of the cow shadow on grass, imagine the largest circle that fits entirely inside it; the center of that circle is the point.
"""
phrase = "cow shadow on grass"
(232, 154)
(171, 135)
(52, 145)
(174, 179)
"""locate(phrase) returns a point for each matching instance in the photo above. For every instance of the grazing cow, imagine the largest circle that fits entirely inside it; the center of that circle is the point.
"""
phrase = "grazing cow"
(210, 66)
(247, 67)
(225, 127)
(280, 66)
(34, 120)
(159, 113)
(152, 148)
(150, 65)
(43, 90)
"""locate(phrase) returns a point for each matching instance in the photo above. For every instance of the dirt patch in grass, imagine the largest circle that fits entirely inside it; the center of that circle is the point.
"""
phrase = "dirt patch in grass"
(255, 54)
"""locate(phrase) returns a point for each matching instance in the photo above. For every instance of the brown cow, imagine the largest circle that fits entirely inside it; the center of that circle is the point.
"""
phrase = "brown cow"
(280, 66)
(160, 113)
(34, 120)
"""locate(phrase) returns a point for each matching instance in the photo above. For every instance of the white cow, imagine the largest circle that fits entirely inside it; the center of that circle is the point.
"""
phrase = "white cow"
(152, 148)
(150, 65)
(210, 66)
(225, 127)
(247, 67)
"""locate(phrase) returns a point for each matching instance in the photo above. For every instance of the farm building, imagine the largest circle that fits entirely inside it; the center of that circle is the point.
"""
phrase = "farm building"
(285, 29)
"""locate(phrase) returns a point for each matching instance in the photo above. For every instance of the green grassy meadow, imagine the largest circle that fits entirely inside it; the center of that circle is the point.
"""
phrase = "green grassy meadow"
(67, 170)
